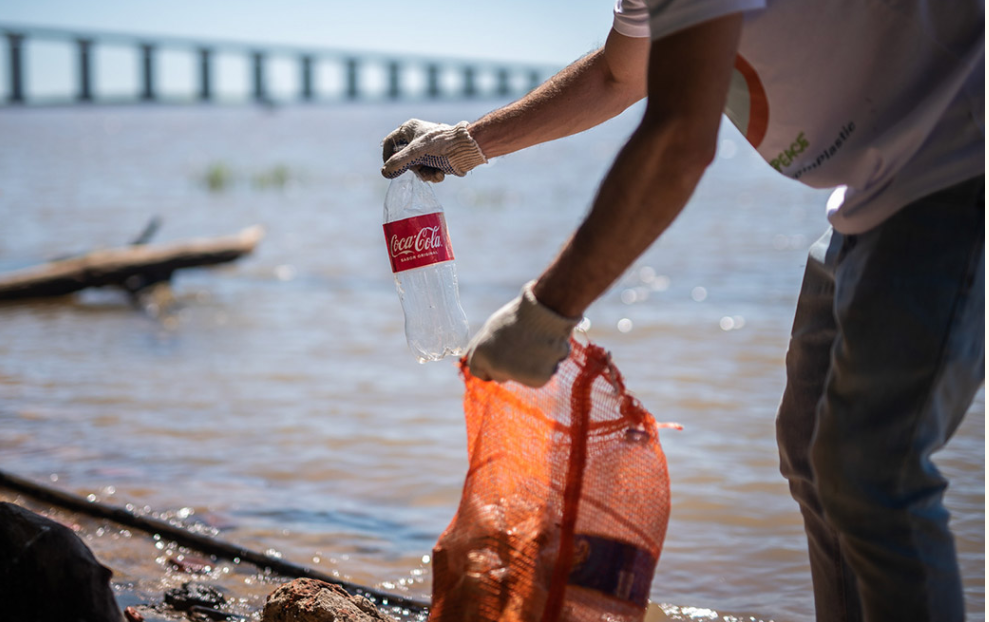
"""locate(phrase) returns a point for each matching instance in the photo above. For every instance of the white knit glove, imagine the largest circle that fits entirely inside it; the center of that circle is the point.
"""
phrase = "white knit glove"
(432, 150)
(523, 341)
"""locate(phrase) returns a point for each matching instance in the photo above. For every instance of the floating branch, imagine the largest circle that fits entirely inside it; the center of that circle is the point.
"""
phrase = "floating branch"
(131, 267)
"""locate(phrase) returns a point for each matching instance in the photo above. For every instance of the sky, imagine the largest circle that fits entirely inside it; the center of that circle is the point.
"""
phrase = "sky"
(547, 32)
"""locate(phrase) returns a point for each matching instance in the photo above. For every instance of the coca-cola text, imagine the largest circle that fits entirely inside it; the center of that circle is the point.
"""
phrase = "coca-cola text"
(418, 241)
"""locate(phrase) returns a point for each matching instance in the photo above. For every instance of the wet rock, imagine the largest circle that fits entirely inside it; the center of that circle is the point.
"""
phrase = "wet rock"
(194, 595)
(47, 574)
(309, 600)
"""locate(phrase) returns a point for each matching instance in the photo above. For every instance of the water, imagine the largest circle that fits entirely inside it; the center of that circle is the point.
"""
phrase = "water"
(278, 405)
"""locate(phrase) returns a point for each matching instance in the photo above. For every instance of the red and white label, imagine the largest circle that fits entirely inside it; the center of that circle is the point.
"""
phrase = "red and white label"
(418, 241)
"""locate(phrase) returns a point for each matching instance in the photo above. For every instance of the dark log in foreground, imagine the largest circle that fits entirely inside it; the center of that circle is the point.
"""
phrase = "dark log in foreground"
(131, 267)
(199, 542)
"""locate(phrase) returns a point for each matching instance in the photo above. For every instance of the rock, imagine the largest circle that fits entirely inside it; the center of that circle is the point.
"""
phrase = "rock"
(193, 594)
(310, 600)
(47, 574)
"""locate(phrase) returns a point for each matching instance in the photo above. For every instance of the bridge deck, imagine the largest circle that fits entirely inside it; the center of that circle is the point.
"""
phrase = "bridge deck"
(358, 75)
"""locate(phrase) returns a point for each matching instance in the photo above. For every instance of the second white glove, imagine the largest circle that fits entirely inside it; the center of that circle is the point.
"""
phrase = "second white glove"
(523, 341)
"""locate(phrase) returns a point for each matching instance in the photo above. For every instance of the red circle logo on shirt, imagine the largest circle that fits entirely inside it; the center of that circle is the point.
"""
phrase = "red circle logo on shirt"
(748, 107)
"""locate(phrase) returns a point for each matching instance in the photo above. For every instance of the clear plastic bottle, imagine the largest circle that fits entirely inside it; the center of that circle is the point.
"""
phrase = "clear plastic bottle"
(425, 273)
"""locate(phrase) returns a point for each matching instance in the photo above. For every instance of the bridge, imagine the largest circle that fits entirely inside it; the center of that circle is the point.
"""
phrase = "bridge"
(320, 74)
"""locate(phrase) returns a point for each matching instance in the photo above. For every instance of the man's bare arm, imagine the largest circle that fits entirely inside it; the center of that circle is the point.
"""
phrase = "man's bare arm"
(656, 172)
(588, 92)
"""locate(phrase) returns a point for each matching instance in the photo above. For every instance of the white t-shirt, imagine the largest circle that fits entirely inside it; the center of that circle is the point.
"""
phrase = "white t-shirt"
(884, 97)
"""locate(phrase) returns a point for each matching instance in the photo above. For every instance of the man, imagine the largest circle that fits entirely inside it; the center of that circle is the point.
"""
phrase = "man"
(883, 100)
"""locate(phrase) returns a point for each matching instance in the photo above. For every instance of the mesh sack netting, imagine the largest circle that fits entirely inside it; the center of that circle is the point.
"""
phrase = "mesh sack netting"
(565, 502)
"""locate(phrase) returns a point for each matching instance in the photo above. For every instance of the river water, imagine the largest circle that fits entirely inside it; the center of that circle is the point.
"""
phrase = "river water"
(277, 406)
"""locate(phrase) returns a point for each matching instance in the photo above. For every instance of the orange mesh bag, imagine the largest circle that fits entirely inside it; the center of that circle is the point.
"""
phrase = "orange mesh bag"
(565, 503)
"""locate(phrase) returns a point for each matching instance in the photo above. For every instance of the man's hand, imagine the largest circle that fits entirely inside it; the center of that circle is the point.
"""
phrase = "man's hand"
(523, 341)
(431, 150)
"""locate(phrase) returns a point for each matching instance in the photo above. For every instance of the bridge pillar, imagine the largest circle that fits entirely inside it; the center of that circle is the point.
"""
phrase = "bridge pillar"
(534, 80)
(85, 70)
(470, 87)
(504, 83)
(433, 81)
(205, 92)
(15, 46)
(307, 81)
(394, 80)
(352, 78)
(259, 94)
(147, 72)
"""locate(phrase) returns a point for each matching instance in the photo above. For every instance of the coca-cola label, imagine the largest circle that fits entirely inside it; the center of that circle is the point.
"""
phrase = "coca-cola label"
(418, 241)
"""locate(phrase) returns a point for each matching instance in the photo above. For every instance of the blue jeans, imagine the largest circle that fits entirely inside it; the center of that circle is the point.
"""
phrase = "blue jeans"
(886, 355)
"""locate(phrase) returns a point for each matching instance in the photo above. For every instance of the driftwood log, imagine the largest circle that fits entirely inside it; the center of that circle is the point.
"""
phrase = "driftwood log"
(132, 268)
